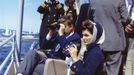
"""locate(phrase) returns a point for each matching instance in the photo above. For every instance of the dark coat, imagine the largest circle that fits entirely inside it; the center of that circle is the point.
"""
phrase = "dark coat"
(85, 13)
(50, 15)
(92, 62)
(60, 51)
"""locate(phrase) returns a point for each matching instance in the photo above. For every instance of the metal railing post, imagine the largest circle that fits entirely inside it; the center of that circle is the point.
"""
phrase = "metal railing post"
(20, 24)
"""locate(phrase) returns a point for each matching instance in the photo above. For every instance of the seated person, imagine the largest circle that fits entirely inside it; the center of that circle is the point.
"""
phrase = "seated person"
(90, 59)
(65, 37)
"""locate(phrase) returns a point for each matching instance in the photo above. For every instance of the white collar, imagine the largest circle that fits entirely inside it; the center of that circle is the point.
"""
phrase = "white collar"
(70, 35)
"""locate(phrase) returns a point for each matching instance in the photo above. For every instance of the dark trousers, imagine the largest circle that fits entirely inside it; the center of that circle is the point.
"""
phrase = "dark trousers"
(42, 37)
(113, 62)
(30, 62)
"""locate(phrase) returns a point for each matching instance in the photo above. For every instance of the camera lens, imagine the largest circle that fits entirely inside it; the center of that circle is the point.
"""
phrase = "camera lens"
(54, 26)
(66, 52)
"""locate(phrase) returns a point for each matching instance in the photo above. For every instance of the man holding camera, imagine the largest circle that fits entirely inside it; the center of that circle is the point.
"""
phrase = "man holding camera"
(51, 11)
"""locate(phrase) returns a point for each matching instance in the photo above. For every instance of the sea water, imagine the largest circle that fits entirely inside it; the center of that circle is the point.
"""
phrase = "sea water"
(4, 51)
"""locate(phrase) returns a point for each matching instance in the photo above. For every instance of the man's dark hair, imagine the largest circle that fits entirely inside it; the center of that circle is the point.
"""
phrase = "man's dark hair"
(66, 19)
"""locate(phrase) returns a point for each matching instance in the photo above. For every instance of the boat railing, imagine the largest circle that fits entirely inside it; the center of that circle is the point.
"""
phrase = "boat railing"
(12, 56)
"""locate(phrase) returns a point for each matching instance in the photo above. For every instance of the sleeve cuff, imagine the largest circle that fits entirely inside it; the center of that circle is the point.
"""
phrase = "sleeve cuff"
(48, 37)
(76, 66)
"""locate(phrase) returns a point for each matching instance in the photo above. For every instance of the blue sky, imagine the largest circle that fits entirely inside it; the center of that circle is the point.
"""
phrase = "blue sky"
(32, 21)
(9, 14)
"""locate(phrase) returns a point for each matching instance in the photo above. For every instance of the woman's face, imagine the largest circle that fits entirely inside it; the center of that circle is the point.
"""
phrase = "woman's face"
(87, 37)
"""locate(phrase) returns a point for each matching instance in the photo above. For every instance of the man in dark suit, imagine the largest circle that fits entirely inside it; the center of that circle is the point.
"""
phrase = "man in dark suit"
(112, 15)
(51, 13)
(65, 37)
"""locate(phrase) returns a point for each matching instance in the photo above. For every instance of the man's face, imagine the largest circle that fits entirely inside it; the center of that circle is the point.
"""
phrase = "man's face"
(68, 29)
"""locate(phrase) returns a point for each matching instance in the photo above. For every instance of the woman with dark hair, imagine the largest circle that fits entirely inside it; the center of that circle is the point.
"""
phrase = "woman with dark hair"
(89, 61)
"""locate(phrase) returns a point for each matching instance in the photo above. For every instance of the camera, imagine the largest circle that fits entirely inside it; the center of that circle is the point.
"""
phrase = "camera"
(54, 26)
(65, 50)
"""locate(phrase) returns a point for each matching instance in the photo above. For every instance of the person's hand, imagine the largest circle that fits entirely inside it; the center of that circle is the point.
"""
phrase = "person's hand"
(61, 29)
(45, 5)
(58, 6)
(73, 52)
(51, 32)
(129, 29)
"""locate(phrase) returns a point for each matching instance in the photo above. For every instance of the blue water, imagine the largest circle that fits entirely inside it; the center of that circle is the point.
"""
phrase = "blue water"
(25, 46)
(5, 50)
(3, 53)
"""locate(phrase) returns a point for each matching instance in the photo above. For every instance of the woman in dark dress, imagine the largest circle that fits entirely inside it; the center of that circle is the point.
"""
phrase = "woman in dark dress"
(89, 61)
